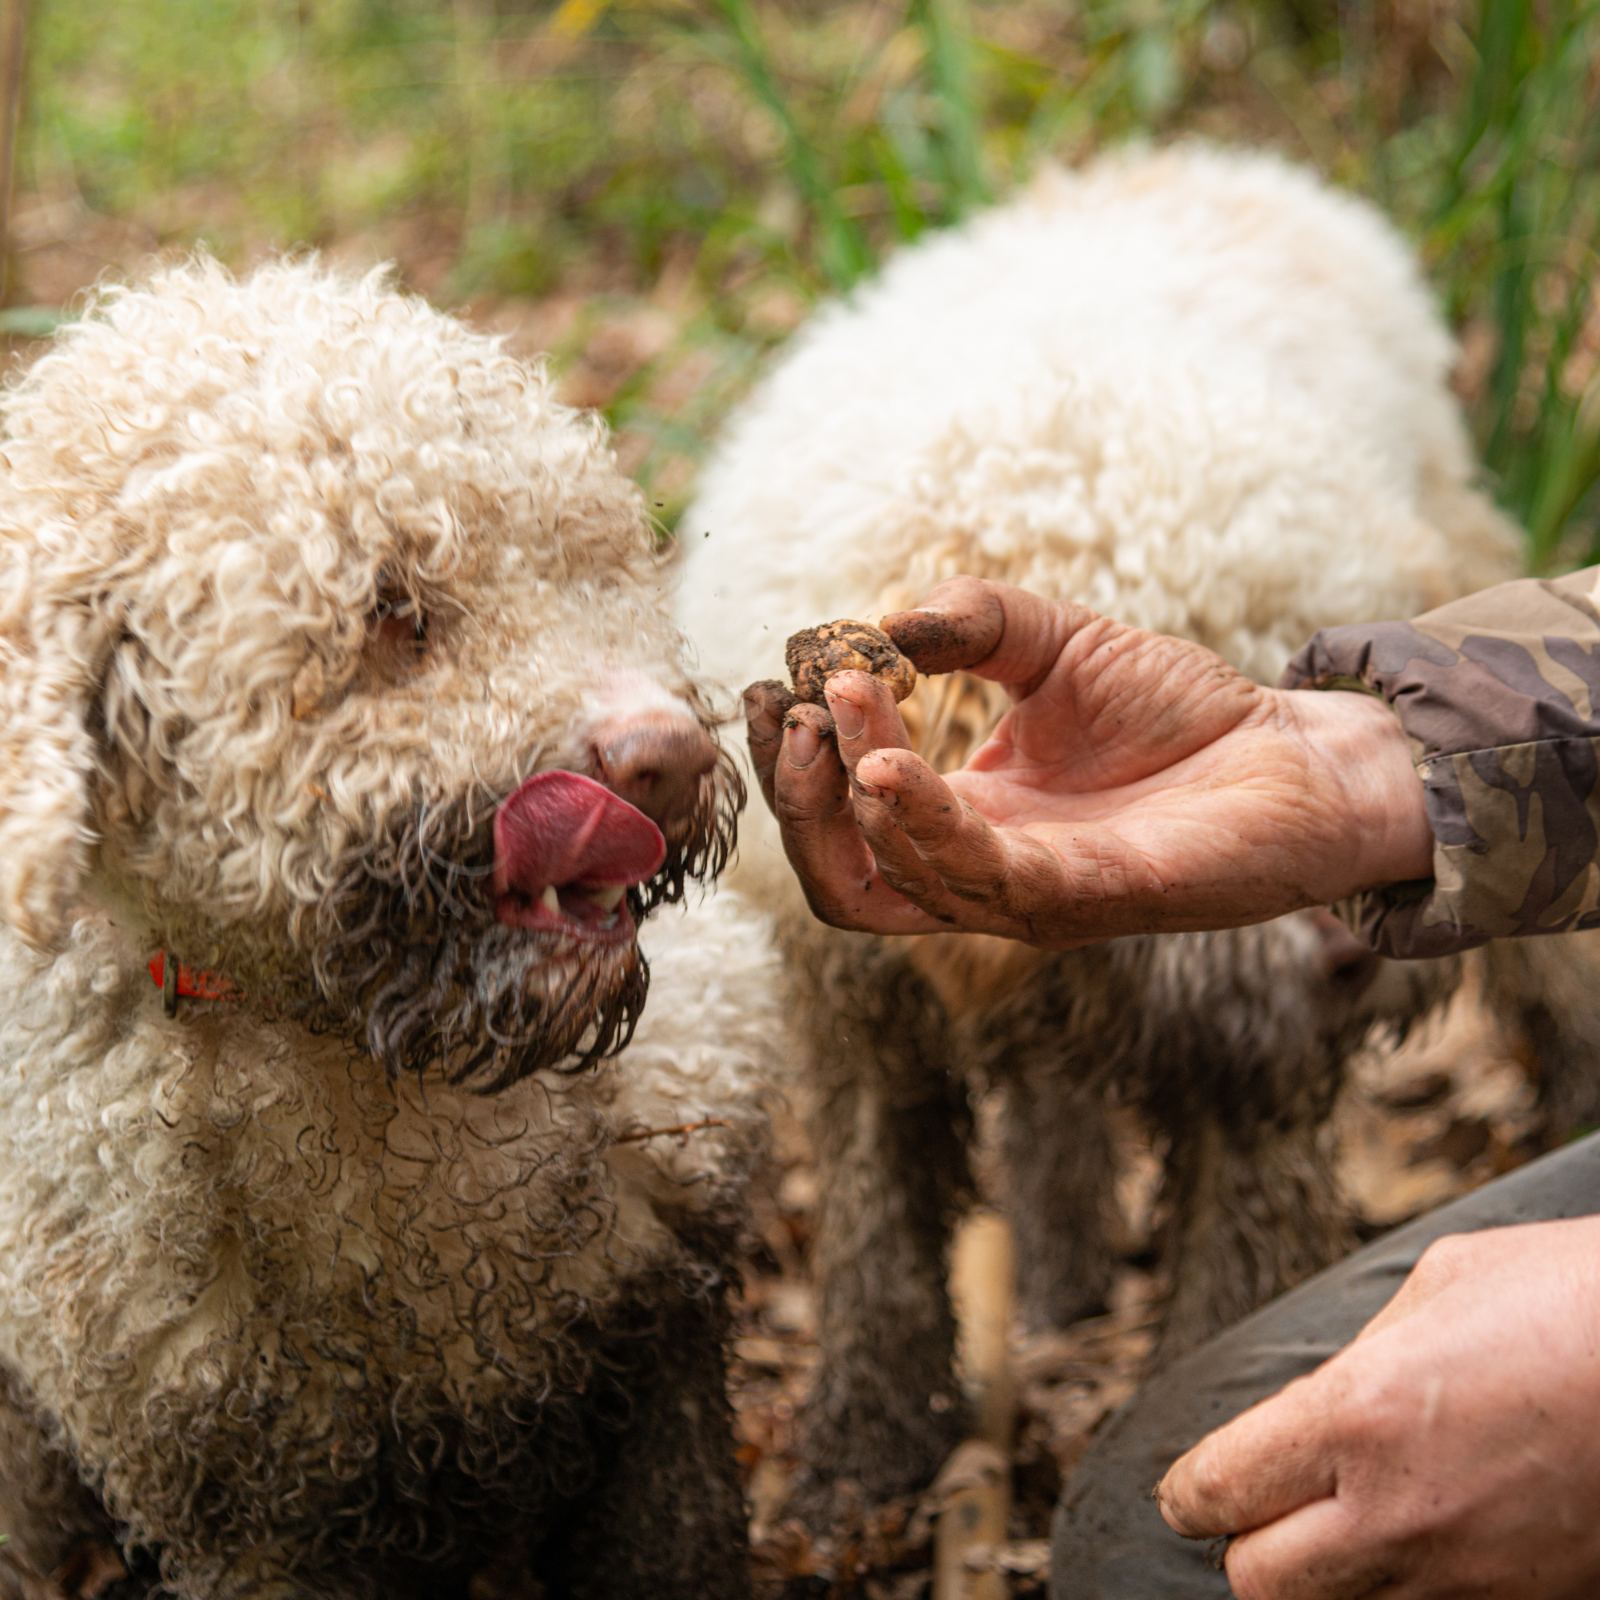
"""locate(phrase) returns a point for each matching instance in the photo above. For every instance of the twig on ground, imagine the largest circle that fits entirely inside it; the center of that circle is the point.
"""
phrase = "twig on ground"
(639, 1135)
(973, 1491)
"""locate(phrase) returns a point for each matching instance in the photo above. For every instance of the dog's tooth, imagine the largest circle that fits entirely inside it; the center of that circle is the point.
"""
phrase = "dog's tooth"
(608, 899)
(551, 901)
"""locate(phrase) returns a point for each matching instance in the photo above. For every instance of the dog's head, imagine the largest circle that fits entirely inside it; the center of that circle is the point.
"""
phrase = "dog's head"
(335, 652)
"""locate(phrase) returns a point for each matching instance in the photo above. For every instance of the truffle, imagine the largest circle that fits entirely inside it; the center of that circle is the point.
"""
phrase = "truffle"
(815, 654)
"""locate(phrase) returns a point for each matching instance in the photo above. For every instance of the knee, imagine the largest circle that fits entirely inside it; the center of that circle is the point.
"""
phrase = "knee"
(1116, 1547)
(1080, 1534)
(1108, 1541)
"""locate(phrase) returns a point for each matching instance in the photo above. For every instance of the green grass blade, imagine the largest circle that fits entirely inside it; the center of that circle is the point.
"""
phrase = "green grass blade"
(31, 322)
(842, 249)
(899, 185)
(947, 36)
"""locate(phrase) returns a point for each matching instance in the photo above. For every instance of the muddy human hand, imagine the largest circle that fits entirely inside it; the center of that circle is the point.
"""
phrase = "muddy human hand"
(1137, 784)
(1450, 1450)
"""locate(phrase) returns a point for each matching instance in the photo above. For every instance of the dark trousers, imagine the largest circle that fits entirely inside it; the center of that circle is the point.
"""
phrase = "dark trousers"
(1109, 1542)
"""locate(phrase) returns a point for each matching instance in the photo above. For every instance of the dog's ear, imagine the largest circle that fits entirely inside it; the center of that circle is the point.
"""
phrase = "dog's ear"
(47, 760)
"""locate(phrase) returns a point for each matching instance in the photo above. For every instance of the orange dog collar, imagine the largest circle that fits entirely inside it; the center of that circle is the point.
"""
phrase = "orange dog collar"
(178, 981)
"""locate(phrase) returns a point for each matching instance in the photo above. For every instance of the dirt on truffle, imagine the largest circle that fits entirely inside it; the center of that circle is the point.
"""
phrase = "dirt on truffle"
(816, 654)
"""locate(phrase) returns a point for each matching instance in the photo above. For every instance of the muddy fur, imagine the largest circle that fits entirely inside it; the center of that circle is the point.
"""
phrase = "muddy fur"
(1059, 1161)
(1547, 991)
(1225, 1045)
(888, 1118)
(1206, 394)
(361, 1282)
(668, 1467)
(1243, 1041)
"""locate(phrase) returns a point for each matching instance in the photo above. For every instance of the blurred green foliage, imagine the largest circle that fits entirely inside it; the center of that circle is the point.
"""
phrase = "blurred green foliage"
(753, 149)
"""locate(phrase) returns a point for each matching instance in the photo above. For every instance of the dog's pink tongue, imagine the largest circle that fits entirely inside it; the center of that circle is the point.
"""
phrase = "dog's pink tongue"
(560, 828)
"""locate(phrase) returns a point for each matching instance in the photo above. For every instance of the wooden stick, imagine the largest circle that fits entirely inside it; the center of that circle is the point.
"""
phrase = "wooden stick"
(639, 1135)
(14, 43)
(973, 1490)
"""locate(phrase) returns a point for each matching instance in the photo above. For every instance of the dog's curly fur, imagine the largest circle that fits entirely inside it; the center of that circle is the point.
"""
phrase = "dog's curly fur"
(1207, 395)
(298, 580)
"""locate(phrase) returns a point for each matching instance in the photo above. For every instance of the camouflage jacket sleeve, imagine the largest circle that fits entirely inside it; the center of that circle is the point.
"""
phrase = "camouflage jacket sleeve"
(1500, 696)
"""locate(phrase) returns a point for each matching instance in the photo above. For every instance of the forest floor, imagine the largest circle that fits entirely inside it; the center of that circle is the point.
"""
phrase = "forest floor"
(1417, 1126)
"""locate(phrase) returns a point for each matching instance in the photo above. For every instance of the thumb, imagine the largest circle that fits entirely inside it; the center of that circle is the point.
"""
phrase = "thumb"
(992, 629)
(1272, 1460)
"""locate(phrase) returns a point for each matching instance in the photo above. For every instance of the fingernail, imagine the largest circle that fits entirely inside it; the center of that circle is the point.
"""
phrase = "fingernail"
(872, 791)
(848, 717)
(801, 746)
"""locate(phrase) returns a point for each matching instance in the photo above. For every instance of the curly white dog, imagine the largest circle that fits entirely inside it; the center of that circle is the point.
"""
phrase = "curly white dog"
(334, 661)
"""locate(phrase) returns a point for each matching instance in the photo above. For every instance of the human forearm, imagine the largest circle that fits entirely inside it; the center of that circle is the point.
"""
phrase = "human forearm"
(1499, 696)
(1357, 750)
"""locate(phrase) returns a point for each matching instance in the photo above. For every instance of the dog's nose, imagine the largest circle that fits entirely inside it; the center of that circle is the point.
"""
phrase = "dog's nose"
(655, 761)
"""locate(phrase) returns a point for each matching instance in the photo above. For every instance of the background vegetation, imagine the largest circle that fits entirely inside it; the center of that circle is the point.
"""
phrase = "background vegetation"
(657, 190)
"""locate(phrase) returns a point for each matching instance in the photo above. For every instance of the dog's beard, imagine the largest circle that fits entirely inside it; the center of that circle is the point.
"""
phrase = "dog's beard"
(483, 1005)
(410, 960)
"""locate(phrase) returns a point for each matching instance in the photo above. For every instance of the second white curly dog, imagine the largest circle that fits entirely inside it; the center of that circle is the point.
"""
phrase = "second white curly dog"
(1207, 395)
